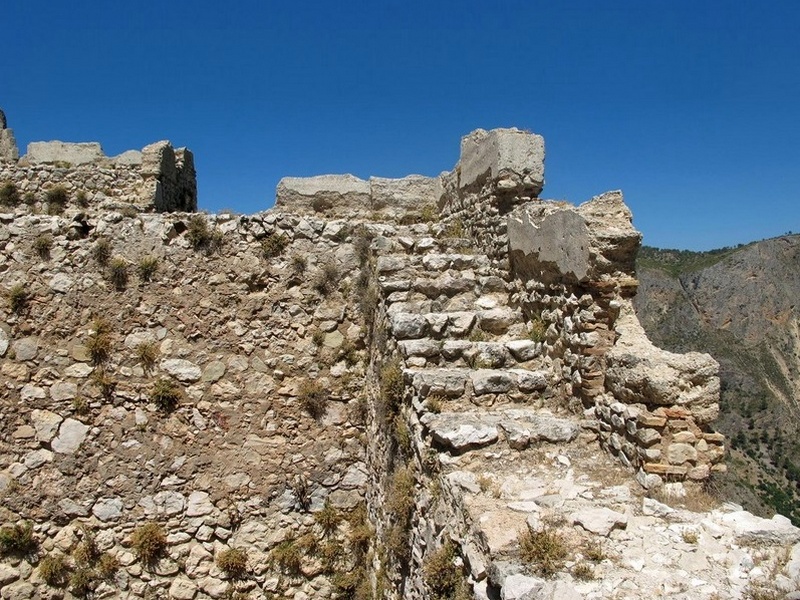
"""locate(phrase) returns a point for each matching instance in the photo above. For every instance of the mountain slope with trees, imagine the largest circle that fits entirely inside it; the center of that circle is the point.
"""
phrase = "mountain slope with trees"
(740, 305)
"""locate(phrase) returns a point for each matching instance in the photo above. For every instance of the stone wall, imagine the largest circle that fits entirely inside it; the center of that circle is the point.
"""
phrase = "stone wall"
(349, 196)
(496, 171)
(452, 378)
(575, 272)
(156, 178)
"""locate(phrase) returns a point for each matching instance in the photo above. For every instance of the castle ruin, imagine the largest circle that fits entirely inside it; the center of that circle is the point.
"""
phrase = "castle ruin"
(381, 388)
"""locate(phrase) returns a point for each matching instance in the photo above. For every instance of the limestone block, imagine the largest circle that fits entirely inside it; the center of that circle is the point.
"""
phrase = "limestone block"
(490, 381)
(70, 436)
(461, 431)
(446, 382)
(8, 145)
(409, 193)
(519, 587)
(129, 157)
(108, 509)
(181, 369)
(64, 152)
(749, 528)
(556, 242)
(46, 424)
(343, 193)
(599, 520)
(491, 153)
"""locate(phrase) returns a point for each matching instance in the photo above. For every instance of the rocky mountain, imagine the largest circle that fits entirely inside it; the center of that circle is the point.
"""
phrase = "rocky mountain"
(741, 306)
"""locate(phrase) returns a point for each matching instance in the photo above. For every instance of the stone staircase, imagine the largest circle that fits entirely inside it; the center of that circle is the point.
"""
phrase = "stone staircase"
(476, 378)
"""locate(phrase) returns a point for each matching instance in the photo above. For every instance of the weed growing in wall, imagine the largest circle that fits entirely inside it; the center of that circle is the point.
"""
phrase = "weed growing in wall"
(9, 195)
(538, 330)
(98, 344)
(287, 557)
(18, 540)
(57, 199)
(201, 236)
(400, 504)
(148, 265)
(18, 298)
(233, 562)
(101, 252)
(326, 277)
(118, 273)
(328, 519)
(42, 246)
(82, 582)
(545, 550)
(166, 395)
(443, 579)
(274, 244)
(313, 397)
(106, 382)
(54, 570)
(298, 264)
(392, 388)
(147, 354)
(150, 543)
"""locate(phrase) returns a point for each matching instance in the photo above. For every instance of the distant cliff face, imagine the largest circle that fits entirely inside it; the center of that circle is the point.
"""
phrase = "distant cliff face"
(740, 305)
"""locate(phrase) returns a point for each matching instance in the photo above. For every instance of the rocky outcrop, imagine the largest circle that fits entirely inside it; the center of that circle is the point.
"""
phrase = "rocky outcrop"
(738, 304)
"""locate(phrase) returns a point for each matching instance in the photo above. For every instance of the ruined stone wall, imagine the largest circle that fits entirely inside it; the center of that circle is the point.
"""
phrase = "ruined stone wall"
(497, 170)
(575, 268)
(157, 178)
(103, 187)
(451, 378)
(248, 335)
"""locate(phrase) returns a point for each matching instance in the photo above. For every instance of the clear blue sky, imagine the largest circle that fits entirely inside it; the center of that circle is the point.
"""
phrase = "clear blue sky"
(692, 108)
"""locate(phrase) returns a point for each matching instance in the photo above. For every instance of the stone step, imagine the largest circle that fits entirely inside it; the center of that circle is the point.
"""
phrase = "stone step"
(455, 382)
(431, 262)
(447, 283)
(475, 354)
(459, 432)
(456, 324)
(411, 242)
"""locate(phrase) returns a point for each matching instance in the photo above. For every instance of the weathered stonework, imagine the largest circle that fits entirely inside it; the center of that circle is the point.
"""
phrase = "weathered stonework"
(447, 356)
(158, 178)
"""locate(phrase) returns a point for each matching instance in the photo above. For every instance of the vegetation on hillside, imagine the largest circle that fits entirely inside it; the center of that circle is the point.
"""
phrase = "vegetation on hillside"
(764, 453)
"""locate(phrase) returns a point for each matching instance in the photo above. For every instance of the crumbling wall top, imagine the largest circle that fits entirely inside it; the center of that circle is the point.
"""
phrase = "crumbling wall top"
(493, 154)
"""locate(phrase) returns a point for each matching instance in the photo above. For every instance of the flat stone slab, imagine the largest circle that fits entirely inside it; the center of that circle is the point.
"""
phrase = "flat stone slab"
(600, 520)
(461, 431)
(64, 152)
(749, 528)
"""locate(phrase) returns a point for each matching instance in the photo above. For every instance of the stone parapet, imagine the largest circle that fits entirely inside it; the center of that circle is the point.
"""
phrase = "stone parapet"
(156, 178)
(350, 196)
